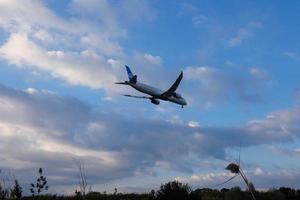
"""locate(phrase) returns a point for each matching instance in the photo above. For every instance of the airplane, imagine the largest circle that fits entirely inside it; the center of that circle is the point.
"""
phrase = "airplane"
(155, 95)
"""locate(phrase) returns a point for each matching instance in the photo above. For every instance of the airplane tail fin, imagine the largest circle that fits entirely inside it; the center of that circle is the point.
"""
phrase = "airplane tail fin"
(132, 78)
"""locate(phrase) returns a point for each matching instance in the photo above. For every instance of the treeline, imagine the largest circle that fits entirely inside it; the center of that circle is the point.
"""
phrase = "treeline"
(178, 191)
(169, 191)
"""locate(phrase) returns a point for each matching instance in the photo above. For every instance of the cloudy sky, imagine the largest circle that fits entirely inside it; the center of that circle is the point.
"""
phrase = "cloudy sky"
(58, 101)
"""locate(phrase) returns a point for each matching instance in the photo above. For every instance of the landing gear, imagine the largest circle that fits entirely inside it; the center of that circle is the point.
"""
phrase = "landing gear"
(181, 106)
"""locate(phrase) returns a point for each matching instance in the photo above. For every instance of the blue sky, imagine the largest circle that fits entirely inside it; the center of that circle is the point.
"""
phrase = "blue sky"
(58, 101)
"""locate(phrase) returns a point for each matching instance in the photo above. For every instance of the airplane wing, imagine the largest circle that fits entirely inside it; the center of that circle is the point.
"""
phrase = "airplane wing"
(140, 97)
(173, 88)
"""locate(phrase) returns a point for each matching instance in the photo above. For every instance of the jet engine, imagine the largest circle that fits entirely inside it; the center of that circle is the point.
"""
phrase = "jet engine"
(155, 101)
(176, 95)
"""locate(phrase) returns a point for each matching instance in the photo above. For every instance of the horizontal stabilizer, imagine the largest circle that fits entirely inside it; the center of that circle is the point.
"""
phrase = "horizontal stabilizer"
(122, 83)
(133, 96)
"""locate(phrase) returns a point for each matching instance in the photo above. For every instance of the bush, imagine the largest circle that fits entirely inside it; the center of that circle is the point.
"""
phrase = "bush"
(173, 190)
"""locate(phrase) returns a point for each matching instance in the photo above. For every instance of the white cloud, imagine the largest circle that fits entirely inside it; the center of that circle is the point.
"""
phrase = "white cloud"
(199, 72)
(292, 55)
(207, 179)
(296, 96)
(260, 179)
(200, 20)
(258, 171)
(44, 36)
(153, 59)
(77, 69)
(39, 40)
(285, 151)
(193, 124)
(280, 123)
(258, 73)
(129, 9)
(31, 90)
(243, 34)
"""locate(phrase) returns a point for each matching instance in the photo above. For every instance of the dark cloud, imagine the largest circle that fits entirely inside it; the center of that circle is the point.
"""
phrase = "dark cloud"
(43, 129)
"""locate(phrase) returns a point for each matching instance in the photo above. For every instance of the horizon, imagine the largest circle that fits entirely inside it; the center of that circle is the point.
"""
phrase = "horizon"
(59, 61)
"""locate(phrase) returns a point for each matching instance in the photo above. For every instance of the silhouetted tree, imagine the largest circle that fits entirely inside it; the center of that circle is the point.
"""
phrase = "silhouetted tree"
(16, 192)
(207, 193)
(224, 190)
(40, 185)
(195, 195)
(82, 178)
(298, 194)
(271, 195)
(289, 193)
(4, 193)
(173, 190)
(152, 194)
(235, 193)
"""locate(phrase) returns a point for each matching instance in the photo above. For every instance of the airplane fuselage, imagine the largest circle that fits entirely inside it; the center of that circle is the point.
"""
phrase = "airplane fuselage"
(156, 93)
